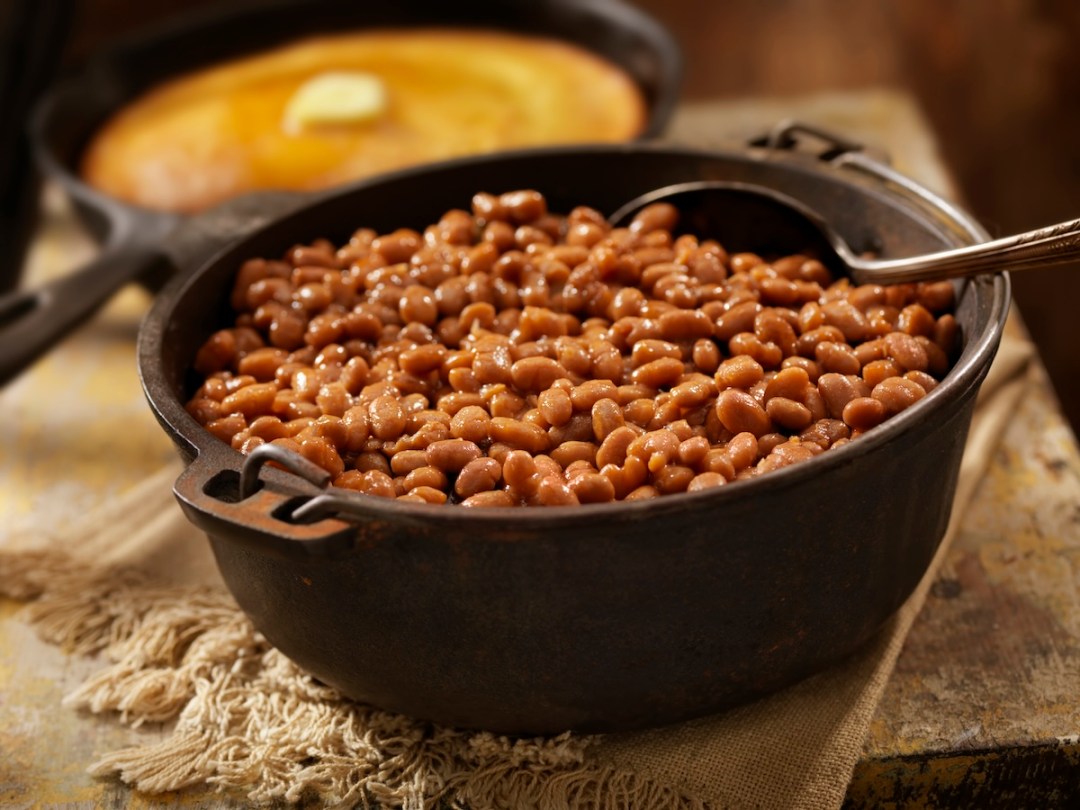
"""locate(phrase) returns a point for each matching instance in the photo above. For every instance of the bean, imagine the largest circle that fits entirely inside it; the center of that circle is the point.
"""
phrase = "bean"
(927, 382)
(808, 341)
(648, 350)
(660, 373)
(426, 476)
(496, 498)
(372, 462)
(463, 379)
(906, 351)
(518, 434)
(739, 412)
(642, 493)
(685, 325)
(673, 478)
(847, 319)
(655, 217)
(333, 398)
(520, 474)
(740, 318)
(322, 452)
(812, 368)
(523, 206)
(767, 355)
(592, 487)
(769, 441)
(779, 292)
(739, 372)
(386, 419)
(331, 428)
(370, 482)
(578, 429)
(262, 364)
(692, 451)
(656, 448)
(705, 480)
(788, 414)
(771, 327)
(252, 400)
(478, 475)
(880, 370)
(837, 390)
(706, 356)
(791, 382)
(227, 426)
(555, 405)
(586, 395)
(453, 402)
(405, 461)
(825, 432)
(607, 416)
(568, 453)
(936, 296)
(786, 454)
(471, 423)
(915, 319)
(870, 351)
(626, 477)
(863, 413)
(553, 492)
(422, 359)
(838, 358)
(398, 246)
(451, 455)
(536, 373)
(743, 450)
(897, 394)
(425, 494)
(937, 358)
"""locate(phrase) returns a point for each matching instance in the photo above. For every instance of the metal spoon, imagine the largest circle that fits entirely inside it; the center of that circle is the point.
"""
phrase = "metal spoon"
(754, 218)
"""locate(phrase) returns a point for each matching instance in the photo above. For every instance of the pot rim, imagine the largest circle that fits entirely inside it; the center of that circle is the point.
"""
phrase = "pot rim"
(967, 373)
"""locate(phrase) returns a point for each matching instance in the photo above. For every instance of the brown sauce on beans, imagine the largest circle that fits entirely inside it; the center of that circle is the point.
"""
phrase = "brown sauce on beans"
(509, 356)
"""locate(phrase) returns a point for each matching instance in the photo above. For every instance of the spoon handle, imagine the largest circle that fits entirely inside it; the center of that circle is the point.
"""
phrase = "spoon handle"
(1054, 244)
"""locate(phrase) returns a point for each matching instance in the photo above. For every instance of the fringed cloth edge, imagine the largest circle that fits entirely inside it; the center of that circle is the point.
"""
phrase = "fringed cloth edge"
(245, 718)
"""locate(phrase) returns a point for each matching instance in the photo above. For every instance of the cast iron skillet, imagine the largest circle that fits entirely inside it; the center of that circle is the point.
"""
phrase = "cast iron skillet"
(597, 617)
(147, 245)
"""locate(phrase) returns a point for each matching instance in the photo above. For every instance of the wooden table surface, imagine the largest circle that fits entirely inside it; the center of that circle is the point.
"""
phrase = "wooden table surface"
(984, 705)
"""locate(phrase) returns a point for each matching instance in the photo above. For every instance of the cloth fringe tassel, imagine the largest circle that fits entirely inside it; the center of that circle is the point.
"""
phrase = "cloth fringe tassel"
(245, 718)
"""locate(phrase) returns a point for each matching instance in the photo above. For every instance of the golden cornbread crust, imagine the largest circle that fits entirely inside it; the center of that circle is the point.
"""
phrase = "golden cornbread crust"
(202, 138)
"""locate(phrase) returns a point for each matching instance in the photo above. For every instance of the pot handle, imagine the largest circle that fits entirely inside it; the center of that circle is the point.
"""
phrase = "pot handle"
(846, 153)
(257, 507)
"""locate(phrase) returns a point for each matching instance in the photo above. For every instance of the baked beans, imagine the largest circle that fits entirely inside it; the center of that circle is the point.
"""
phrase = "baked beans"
(511, 356)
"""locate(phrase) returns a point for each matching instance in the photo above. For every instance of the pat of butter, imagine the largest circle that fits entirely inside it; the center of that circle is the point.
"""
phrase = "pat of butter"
(335, 98)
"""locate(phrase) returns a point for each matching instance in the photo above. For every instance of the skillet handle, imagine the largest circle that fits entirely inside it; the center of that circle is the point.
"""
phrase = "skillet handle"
(33, 321)
(256, 510)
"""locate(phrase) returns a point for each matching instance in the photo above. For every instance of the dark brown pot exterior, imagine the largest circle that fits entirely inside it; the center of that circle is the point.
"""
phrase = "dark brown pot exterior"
(600, 617)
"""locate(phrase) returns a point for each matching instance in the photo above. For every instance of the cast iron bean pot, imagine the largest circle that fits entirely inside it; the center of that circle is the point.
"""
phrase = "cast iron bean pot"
(595, 617)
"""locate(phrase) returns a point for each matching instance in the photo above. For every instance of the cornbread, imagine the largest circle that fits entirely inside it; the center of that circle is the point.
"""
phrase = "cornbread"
(431, 94)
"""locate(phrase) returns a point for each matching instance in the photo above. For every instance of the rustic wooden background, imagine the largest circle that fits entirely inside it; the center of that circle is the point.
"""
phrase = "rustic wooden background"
(998, 79)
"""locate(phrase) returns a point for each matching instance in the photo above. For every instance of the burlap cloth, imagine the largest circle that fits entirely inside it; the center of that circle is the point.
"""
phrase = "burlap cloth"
(139, 588)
